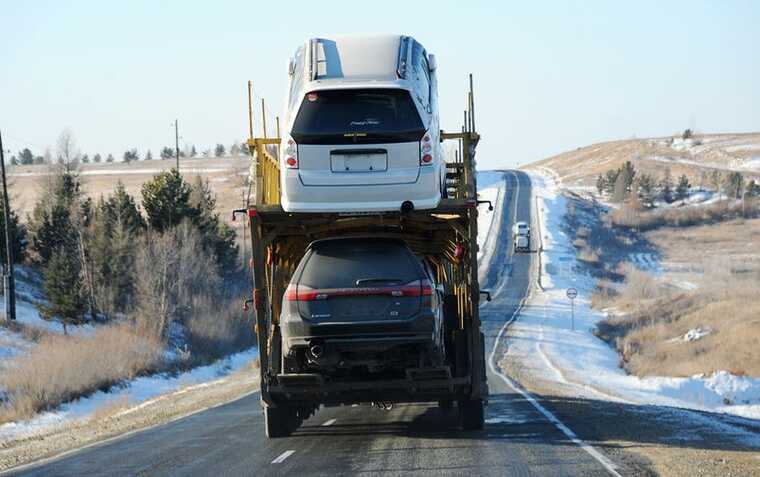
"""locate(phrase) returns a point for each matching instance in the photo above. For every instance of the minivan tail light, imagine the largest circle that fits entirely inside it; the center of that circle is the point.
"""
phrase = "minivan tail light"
(426, 150)
(291, 154)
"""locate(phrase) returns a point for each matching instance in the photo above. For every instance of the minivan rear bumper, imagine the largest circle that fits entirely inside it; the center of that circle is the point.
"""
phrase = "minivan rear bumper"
(425, 193)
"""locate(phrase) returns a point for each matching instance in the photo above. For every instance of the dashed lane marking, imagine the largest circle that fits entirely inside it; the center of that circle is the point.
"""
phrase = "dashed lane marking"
(329, 422)
(281, 458)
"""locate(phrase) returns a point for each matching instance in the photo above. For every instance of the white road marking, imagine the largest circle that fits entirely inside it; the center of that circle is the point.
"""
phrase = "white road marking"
(603, 460)
(329, 422)
(281, 458)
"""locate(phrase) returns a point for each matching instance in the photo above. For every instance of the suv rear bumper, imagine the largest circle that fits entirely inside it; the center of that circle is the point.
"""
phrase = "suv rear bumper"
(375, 335)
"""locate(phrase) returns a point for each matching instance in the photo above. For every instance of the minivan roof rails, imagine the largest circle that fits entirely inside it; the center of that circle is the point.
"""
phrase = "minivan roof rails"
(404, 48)
(313, 49)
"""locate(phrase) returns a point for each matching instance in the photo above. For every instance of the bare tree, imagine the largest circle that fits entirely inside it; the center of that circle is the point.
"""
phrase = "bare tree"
(66, 150)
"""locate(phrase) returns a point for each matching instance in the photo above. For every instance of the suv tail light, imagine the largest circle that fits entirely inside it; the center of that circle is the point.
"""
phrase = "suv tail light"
(290, 155)
(426, 150)
(420, 288)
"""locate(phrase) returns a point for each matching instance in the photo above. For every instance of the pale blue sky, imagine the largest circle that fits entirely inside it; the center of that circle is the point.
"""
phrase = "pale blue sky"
(550, 76)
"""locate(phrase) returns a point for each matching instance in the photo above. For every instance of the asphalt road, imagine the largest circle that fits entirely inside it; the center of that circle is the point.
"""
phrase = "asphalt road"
(409, 439)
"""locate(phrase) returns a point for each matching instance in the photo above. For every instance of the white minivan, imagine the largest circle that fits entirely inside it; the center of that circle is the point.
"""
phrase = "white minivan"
(361, 127)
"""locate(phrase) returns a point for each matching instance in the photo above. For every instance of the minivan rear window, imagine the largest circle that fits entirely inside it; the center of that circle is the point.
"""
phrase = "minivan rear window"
(349, 116)
(341, 263)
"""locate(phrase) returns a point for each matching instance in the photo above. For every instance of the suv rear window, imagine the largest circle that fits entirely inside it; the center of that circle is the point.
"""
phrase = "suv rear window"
(340, 263)
(357, 115)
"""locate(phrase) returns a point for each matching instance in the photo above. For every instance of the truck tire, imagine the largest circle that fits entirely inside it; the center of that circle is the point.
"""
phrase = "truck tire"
(278, 421)
(472, 414)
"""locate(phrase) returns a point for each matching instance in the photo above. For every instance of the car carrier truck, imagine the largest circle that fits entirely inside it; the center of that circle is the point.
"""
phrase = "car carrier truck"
(445, 237)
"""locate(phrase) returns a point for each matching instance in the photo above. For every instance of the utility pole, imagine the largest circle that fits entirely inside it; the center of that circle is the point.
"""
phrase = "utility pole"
(9, 286)
(176, 142)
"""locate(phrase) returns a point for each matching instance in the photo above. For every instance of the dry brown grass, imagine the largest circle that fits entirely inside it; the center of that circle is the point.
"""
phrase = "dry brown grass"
(216, 330)
(224, 174)
(62, 368)
(651, 314)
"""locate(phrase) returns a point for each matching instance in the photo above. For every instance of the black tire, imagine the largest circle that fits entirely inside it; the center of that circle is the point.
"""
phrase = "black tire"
(278, 421)
(472, 415)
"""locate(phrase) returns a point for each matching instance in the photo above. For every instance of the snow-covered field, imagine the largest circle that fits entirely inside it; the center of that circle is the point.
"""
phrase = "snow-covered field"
(490, 187)
(569, 353)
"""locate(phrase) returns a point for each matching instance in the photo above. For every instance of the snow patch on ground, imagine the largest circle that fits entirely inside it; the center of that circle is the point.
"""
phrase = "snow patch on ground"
(572, 353)
(490, 187)
(137, 392)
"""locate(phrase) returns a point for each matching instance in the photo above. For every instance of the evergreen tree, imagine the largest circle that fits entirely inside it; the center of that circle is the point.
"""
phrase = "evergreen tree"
(63, 289)
(167, 153)
(109, 158)
(165, 200)
(50, 225)
(666, 187)
(96, 158)
(26, 157)
(600, 184)
(734, 184)
(609, 180)
(646, 189)
(193, 151)
(219, 150)
(17, 234)
(234, 149)
(131, 155)
(682, 189)
(85, 159)
(629, 173)
(111, 249)
(148, 156)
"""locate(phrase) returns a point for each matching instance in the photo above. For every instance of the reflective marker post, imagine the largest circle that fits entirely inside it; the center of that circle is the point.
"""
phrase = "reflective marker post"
(572, 293)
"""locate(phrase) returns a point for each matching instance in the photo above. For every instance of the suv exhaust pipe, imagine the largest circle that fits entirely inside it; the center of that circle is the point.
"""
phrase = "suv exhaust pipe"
(316, 351)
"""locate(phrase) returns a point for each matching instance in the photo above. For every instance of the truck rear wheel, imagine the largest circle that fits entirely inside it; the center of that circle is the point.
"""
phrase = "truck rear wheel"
(471, 414)
(279, 421)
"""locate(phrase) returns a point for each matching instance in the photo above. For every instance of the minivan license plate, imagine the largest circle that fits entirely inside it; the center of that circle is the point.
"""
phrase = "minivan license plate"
(358, 162)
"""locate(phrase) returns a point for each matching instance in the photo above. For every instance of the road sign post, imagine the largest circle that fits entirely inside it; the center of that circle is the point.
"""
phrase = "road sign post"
(572, 293)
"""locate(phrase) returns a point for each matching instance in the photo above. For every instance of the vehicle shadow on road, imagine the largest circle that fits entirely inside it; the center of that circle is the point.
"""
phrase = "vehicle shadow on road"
(509, 416)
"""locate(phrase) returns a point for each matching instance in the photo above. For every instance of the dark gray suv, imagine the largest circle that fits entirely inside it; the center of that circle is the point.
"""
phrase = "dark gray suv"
(361, 305)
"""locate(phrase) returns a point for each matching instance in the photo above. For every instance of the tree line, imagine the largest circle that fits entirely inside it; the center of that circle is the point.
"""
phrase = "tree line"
(625, 181)
(111, 257)
(26, 157)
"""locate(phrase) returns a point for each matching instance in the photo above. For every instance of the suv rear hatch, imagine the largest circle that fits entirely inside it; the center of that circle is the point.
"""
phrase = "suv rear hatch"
(358, 137)
(363, 280)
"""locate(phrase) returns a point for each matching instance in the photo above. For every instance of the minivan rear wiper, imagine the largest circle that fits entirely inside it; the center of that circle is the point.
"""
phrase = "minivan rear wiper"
(364, 281)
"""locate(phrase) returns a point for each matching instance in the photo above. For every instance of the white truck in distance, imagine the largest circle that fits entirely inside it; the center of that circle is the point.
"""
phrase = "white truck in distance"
(521, 236)
(361, 129)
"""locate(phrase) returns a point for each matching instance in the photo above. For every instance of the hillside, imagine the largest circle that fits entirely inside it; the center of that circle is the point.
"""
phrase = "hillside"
(695, 157)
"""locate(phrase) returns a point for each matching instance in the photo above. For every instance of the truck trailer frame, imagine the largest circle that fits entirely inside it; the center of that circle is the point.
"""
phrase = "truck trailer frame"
(445, 236)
